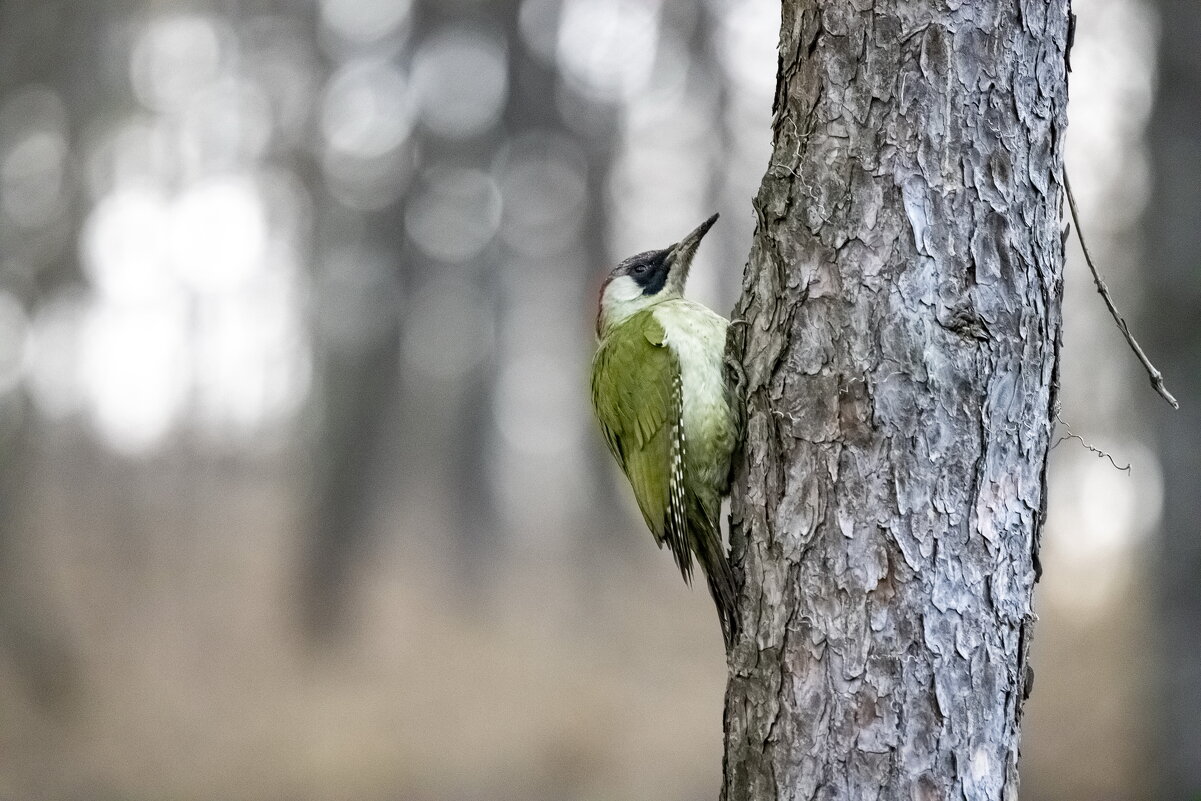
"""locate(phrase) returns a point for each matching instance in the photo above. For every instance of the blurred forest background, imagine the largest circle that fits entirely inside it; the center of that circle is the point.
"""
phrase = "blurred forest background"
(300, 496)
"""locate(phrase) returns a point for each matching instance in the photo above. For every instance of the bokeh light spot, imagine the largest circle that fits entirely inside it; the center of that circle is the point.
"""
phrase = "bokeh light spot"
(124, 244)
(461, 81)
(538, 21)
(747, 40)
(31, 179)
(136, 152)
(367, 109)
(218, 233)
(607, 47)
(252, 362)
(173, 59)
(364, 21)
(134, 373)
(543, 179)
(1097, 516)
(367, 184)
(455, 214)
(33, 157)
(229, 123)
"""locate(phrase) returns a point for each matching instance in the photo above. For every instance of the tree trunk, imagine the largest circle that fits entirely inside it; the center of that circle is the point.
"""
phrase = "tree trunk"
(902, 326)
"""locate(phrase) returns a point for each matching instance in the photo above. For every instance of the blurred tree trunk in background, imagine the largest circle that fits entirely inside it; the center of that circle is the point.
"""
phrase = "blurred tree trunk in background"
(33, 36)
(902, 302)
(1173, 245)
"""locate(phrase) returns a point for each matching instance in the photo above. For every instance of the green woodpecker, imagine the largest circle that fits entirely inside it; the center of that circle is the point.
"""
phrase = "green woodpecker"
(659, 391)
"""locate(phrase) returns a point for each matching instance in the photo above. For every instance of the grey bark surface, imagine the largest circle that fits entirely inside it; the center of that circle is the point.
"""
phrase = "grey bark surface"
(902, 326)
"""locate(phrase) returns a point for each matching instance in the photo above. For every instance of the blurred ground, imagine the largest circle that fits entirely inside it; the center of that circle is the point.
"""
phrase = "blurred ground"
(189, 677)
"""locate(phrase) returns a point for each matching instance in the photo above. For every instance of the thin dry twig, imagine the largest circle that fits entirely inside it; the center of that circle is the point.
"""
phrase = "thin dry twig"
(1073, 435)
(1152, 371)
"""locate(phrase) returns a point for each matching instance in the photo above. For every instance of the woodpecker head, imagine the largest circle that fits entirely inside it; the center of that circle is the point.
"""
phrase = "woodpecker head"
(647, 278)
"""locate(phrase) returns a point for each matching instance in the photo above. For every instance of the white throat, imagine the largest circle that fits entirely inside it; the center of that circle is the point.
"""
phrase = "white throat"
(622, 299)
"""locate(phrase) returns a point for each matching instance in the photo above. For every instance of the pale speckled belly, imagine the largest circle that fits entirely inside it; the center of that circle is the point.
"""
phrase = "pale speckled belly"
(697, 336)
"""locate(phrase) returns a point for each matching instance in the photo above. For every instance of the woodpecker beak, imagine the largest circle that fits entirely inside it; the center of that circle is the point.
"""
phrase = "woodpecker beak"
(679, 255)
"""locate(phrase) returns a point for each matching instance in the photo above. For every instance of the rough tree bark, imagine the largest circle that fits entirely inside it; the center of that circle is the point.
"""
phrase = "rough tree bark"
(902, 326)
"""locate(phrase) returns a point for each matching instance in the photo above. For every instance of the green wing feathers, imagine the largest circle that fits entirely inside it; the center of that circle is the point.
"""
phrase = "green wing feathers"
(637, 394)
(635, 390)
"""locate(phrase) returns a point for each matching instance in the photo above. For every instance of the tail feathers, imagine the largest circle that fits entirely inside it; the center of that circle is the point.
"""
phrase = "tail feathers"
(720, 579)
(699, 534)
(706, 543)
